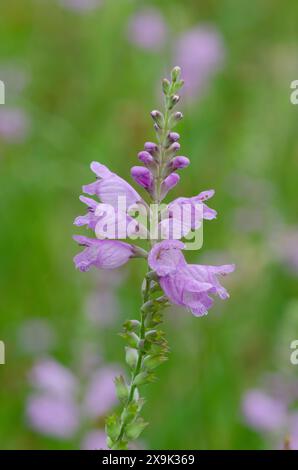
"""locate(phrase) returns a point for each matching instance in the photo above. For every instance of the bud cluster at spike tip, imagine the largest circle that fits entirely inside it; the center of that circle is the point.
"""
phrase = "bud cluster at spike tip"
(160, 159)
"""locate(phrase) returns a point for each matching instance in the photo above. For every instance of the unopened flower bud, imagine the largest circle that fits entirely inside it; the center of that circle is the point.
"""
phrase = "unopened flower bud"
(121, 388)
(158, 118)
(174, 100)
(173, 137)
(151, 147)
(175, 118)
(145, 157)
(174, 148)
(179, 162)
(178, 116)
(176, 72)
(169, 183)
(131, 357)
(142, 176)
(166, 85)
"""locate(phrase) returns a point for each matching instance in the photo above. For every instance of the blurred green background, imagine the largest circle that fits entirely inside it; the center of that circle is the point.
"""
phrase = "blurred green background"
(84, 91)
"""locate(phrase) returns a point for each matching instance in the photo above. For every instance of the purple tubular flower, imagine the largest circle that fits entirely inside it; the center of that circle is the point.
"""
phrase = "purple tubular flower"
(168, 183)
(104, 254)
(143, 177)
(178, 163)
(146, 158)
(90, 219)
(186, 285)
(160, 261)
(109, 187)
(193, 203)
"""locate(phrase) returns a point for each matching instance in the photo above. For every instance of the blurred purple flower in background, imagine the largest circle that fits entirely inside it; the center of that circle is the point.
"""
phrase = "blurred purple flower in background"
(264, 412)
(59, 404)
(100, 395)
(200, 53)
(53, 415)
(14, 125)
(94, 440)
(50, 376)
(81, 5)
(147, 29)
(270, 410)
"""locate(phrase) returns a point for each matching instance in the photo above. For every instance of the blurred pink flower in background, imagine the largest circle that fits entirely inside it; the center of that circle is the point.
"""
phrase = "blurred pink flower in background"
(147, 29)
(94, 440)
(264, 412)
(14, 125)
(59, 404)
(270, 410)
(100, 394)
(81, 5)
(200, 53)
(51, 377)
(52, 415)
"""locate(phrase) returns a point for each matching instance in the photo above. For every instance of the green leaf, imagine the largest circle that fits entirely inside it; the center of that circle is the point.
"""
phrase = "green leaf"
(113, 427)
(120, 445)
(130, 412)
(144, 378)
(150, 362)
(121, 389)
(131, 338)
(134, 429)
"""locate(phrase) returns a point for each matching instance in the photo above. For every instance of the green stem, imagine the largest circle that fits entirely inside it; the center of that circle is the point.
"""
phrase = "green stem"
(162, 148)
(139, 362)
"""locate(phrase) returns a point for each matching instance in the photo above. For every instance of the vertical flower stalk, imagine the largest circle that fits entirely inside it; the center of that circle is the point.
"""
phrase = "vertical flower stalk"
(147, 347)
(169, 279)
